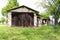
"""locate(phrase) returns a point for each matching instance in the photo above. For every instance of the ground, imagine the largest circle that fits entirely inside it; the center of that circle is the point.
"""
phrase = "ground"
(35, 33)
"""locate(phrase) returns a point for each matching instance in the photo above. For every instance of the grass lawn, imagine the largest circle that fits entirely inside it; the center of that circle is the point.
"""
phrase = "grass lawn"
(37, 33)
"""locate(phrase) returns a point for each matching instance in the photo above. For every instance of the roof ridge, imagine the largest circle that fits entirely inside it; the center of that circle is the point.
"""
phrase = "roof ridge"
(23, 6)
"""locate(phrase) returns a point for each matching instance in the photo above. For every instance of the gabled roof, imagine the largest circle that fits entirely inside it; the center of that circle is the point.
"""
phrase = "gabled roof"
(22, 7)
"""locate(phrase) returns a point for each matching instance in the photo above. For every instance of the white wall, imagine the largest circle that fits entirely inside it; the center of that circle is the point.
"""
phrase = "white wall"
(22, 10)
(35, 20)
(9, 18)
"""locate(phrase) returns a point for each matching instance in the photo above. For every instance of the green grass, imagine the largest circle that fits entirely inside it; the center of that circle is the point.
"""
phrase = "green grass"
(35, 33)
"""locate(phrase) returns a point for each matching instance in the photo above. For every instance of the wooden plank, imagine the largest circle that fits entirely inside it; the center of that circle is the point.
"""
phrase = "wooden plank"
(23, 19)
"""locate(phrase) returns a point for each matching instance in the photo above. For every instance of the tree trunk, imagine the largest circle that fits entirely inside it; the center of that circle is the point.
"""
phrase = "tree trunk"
(56, 21)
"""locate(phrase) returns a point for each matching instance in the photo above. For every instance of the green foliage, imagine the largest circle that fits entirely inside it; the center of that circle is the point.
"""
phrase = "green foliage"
(37, 33)
(2, 20)
(54, 9)
(44, 15)
(11, 4)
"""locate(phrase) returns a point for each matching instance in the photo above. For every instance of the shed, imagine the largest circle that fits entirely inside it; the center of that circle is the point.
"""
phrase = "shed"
(23, 16)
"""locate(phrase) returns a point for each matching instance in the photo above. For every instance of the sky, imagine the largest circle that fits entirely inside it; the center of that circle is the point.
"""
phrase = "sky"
(29, 3)
(2, 4)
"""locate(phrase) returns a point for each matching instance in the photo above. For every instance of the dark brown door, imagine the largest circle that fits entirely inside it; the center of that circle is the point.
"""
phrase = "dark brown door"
(26, 19)
(23, 19)
(14, 19)
(29, 19)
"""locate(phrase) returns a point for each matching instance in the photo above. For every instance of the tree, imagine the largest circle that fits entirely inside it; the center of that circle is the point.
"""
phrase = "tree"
(44, 15)
(2, 20)
(54, 9)
(11, 4)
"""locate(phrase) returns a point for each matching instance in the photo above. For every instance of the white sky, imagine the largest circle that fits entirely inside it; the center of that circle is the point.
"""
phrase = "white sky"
(29, 3)
(2, 4)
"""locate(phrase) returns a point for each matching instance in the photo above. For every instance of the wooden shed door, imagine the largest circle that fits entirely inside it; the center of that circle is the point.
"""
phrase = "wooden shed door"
(24, 19)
